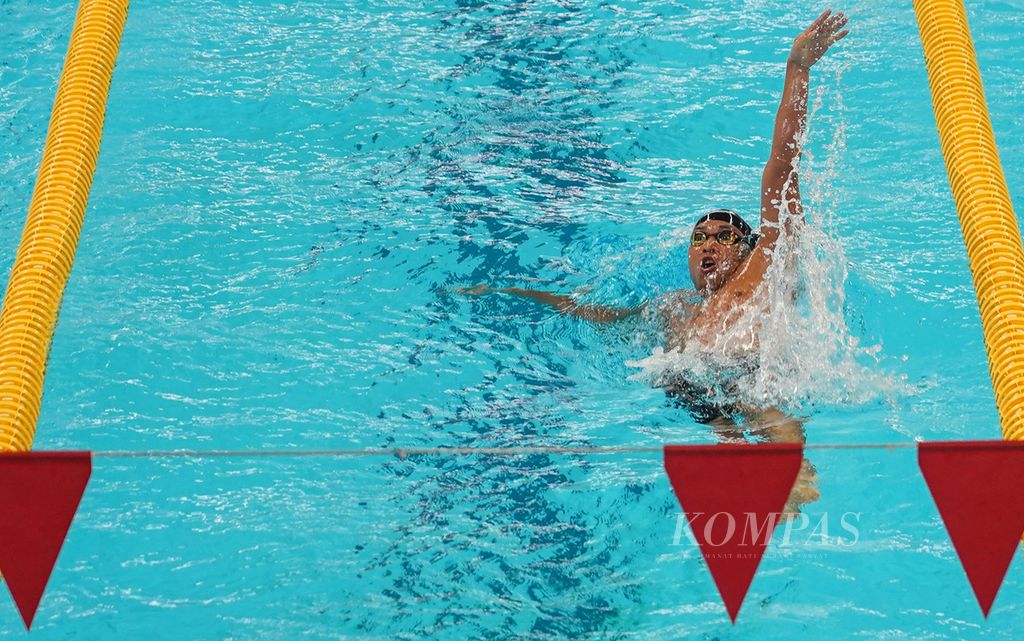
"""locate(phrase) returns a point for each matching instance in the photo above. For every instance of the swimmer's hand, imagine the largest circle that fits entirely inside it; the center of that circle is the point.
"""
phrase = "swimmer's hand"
(476, 290)
(812, 44)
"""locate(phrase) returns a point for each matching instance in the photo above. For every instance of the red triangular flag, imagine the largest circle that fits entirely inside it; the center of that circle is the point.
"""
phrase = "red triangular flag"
(733, 496)
(39, 494)
(977, 488)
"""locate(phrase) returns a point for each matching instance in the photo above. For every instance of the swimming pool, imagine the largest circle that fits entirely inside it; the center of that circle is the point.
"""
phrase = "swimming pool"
(282, 196)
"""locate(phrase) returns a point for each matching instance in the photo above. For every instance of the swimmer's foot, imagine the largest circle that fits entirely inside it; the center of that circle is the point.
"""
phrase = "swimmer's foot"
(804, 491)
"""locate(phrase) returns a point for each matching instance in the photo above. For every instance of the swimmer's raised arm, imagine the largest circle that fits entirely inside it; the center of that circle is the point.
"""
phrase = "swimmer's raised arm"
(564, 304)
(780, 189)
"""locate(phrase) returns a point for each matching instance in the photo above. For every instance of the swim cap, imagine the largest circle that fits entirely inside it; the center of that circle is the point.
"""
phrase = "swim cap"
(726, 216)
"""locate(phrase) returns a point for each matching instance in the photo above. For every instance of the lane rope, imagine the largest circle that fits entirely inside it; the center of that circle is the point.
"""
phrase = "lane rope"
(982, 200)
(55, 216)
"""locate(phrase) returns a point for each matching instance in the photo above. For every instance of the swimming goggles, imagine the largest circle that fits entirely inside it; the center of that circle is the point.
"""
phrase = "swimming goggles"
(724, 237)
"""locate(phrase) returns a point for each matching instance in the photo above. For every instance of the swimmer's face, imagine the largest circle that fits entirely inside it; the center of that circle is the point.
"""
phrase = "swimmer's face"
(713, 263)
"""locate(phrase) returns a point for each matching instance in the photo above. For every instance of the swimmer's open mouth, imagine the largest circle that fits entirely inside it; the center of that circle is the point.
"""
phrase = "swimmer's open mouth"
(707, 265)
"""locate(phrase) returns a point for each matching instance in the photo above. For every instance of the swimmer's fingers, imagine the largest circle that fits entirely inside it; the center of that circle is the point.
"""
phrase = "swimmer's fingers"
(812, 44)
(824, 33)
(827, 22)
(834, 24)
(475, 290)
(819, 20)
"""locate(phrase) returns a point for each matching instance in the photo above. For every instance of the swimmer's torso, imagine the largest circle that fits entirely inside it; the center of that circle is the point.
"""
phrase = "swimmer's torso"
(716, 336)
(702, 324)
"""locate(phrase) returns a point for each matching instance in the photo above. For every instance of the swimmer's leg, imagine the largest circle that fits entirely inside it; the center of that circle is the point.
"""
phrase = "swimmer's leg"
(774, 426)
(727, 430)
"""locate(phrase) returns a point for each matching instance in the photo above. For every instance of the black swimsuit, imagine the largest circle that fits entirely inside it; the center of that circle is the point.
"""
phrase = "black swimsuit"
(701, 401)
(694, 399)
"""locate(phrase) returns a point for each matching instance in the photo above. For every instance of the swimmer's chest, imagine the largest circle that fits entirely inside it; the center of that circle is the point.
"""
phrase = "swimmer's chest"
(704, 321)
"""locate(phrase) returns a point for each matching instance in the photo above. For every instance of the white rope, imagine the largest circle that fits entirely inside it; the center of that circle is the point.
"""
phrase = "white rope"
(406, 452)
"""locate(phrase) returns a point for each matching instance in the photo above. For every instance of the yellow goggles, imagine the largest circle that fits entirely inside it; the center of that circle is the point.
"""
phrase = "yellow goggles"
(724, 237)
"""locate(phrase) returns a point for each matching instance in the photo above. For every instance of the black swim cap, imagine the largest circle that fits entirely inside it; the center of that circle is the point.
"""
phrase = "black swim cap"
(726, 216)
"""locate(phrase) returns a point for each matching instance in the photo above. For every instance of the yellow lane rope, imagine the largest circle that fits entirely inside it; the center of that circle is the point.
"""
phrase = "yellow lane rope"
(54, 222)
(48, 242)
(982, 200)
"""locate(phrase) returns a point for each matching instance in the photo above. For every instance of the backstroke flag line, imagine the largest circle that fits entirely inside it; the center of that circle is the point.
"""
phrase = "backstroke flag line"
(977, 488)
(39, 495)
(733, 496)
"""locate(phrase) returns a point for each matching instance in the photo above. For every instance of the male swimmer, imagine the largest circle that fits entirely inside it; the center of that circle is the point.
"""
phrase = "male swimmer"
(728, 260)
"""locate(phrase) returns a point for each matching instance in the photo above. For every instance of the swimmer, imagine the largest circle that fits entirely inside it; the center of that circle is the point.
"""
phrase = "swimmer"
(728, 260)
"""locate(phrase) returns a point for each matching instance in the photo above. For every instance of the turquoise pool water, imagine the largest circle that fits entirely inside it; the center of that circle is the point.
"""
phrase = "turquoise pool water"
(284, 193)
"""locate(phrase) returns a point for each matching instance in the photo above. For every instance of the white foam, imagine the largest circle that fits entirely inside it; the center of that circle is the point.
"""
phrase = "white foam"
(790, 347)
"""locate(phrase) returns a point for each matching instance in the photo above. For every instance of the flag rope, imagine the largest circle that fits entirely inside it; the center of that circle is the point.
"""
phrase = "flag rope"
(406, 452)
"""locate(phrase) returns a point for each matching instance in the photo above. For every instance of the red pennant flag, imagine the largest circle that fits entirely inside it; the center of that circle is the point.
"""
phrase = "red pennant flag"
(39, 494)
(977, 488)
(733, 496)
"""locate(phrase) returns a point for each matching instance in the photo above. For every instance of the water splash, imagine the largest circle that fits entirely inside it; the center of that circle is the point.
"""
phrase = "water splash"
(790, 347)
